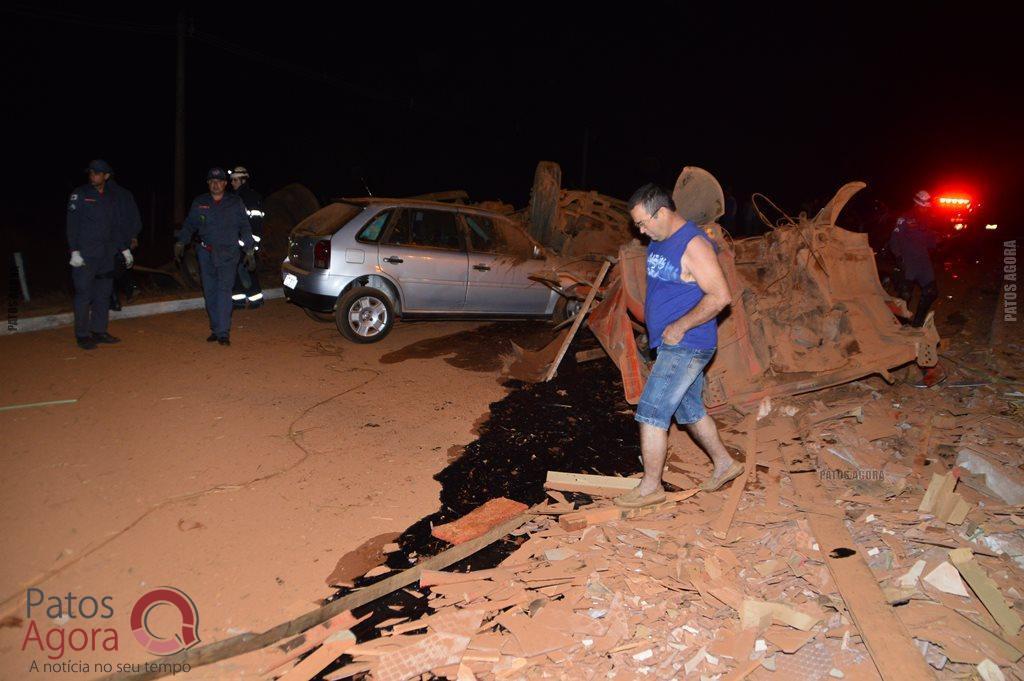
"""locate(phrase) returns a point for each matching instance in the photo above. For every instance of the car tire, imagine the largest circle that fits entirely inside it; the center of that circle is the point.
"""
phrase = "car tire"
(364, 315)
(322, 317)
(566, 308)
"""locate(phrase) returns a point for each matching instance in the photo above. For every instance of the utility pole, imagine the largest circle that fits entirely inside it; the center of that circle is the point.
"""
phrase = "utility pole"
(179, 129)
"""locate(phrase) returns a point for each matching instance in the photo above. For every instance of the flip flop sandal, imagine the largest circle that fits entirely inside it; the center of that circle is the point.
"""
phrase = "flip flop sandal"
(633, 499)
(714, 484)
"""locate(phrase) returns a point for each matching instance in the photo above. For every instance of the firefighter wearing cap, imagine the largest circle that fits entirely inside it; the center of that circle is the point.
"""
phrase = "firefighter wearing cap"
(102, 219)
(247, 289)
(911, 241)
(222, 224)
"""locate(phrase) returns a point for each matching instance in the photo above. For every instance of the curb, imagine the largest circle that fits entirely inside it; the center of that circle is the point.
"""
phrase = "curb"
(130, 311)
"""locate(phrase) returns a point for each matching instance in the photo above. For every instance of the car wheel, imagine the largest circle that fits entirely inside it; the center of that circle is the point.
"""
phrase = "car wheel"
(322, 317)
(566, 308)
(364, 315)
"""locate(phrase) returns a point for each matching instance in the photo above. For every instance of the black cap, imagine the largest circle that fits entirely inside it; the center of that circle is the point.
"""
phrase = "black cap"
(98, 165)
(216, 174)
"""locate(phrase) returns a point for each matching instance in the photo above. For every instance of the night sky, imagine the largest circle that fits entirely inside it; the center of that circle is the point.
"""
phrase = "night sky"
(792, 103)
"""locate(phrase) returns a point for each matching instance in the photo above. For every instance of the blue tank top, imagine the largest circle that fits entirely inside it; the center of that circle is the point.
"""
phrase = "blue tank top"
(668, 296)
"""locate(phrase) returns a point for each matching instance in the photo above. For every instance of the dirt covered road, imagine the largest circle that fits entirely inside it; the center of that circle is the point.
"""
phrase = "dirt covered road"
(238, 475)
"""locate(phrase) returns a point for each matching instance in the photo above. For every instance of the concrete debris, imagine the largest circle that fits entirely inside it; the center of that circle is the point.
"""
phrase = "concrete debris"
(793, 585)
(945, 578)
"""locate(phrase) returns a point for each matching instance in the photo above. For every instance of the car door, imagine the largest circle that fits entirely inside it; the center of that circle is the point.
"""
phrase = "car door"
(423, 251)
(501, 259)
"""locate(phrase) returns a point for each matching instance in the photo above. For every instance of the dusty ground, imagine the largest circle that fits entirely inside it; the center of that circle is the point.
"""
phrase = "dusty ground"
(239, 475)
(242, 475)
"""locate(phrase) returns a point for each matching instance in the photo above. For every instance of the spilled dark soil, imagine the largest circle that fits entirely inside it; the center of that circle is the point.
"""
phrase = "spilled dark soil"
(578, 422)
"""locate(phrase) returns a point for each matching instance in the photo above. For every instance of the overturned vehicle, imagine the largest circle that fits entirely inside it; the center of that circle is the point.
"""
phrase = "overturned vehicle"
(807, 312)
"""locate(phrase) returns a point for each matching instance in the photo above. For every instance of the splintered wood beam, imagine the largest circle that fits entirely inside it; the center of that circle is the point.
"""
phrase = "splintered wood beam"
(602, 485)
(579, 320)
(887, 639)
(248, 642)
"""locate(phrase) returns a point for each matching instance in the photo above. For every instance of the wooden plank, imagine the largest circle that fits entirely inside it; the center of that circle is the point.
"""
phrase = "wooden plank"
(891, 647)
(248, 642)
(720, 526)
(986, 589)
(590, 355)
(938, 488)
(558, 481)
(310, 639)
(577, 520)
(333, 648)
(578, 321)
(570, 522)
(589, 489)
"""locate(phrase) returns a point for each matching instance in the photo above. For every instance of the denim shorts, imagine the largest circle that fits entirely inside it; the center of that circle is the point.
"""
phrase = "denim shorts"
(675, 387)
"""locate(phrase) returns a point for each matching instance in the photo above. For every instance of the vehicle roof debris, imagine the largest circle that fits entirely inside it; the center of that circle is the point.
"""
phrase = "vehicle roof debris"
(839, 560)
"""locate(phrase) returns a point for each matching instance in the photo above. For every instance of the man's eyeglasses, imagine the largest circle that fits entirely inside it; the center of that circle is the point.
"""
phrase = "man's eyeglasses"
(640, 224)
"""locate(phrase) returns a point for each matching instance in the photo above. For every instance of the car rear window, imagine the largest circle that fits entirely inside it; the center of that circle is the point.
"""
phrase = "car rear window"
(373, 229)
(327, 220)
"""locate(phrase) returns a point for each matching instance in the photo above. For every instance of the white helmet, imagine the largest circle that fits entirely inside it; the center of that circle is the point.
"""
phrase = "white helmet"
(241, 172)
(922, 198)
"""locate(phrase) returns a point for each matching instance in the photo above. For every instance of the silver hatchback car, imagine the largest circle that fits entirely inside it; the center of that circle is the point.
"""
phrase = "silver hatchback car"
(365, 262)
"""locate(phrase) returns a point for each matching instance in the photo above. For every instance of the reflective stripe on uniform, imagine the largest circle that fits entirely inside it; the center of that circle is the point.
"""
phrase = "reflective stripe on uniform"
(255, 297)
(238, 296)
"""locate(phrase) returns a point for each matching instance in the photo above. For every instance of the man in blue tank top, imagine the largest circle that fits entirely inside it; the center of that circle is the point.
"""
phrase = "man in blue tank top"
(686, 289)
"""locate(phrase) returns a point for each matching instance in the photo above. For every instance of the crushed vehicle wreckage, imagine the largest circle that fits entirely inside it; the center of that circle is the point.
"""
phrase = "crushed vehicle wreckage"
(807, 312)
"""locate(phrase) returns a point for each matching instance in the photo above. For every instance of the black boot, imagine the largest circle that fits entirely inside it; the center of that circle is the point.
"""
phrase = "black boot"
(105, 338)
(929, 294)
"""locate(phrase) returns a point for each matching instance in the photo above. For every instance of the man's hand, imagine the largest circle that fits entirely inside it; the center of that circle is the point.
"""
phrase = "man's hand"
(76, 259)
(128, 259)
(673, 333)
(179, 250)
(250, 261)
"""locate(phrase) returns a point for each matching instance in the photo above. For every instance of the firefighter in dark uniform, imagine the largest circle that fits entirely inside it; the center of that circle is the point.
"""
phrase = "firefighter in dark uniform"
(96, 213)
(247, 290)
(911, 242)
(222, 224)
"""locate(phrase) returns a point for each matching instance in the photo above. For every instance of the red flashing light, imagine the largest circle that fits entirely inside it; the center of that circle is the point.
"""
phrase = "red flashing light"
(954, 201)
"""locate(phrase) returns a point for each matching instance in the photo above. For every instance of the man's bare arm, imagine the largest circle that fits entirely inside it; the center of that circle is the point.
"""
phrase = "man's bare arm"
(702, 262)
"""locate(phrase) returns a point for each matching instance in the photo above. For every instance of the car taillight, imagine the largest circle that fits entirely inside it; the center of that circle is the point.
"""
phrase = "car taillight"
(322, 255)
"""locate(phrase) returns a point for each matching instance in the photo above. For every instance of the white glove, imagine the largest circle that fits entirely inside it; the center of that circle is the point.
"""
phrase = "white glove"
(76, 259)
(128, 259)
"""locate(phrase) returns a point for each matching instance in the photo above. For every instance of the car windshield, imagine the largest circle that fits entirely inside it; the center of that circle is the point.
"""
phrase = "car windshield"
(327, 220)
